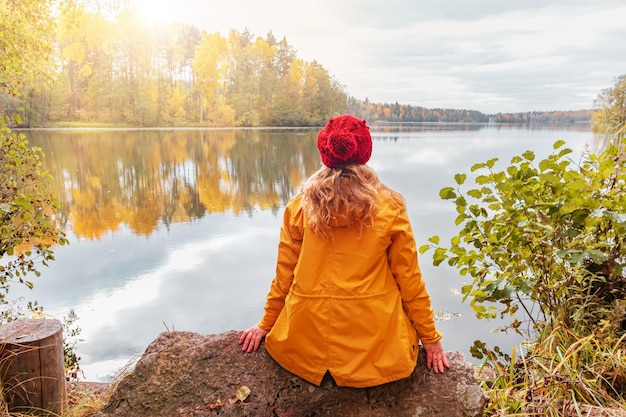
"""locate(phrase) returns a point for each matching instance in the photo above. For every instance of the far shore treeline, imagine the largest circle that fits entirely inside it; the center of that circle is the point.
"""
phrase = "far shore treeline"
(122, 72)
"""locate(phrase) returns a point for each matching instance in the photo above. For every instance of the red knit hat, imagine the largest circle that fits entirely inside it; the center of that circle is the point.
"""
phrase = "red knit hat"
(343, 141)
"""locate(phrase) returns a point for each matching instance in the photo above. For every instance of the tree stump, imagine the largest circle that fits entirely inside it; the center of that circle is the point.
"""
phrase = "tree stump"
(32, 366)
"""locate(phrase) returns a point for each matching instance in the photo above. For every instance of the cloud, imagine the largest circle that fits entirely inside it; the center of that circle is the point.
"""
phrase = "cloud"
(486, 55)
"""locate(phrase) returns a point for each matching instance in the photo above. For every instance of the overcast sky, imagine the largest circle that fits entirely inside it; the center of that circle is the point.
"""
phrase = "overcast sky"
(487, 55)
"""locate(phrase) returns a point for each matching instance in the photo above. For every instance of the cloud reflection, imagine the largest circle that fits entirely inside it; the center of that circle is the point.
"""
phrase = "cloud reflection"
(119, 309)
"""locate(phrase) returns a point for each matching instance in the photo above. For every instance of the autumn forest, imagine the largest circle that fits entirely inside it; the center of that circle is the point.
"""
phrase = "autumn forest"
(122, 72)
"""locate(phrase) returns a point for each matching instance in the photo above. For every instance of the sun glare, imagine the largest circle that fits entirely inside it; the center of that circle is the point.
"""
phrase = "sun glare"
(155, 12)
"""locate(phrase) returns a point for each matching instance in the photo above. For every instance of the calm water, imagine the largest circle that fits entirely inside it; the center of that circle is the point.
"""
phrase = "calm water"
(177, 229)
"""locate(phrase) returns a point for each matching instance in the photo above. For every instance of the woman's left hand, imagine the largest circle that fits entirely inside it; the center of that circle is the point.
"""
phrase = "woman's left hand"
(251, 338)
(436, 357)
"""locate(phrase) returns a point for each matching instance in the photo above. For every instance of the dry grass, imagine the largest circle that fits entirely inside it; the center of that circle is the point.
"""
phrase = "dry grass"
(563, 376)
(86, 398)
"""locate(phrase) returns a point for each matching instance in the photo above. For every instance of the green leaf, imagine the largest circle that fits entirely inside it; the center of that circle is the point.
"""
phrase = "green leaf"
(460, 178)
(475, 193)
(466, 289)
(491, 163)
(483, 179)
(439, 256)
(476, 167)
(565, 151)
(579, 216)
(529, 155)
(478, 349)
(597, 256)
(460, 218)
(423, 249)
(447, 193)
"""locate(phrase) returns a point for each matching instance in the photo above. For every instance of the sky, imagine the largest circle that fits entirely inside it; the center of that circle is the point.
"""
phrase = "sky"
(494, 56)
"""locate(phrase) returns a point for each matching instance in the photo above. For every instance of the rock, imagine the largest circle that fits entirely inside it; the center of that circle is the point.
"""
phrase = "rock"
(190, 375)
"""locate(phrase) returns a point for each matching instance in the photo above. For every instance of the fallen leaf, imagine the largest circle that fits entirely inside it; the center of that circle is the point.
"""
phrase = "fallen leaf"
(242, 393)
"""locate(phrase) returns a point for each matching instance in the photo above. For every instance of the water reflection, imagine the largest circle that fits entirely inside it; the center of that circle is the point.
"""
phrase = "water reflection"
(146, 178)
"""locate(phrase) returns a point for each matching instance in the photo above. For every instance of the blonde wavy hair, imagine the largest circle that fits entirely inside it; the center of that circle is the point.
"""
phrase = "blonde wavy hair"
(345, 195)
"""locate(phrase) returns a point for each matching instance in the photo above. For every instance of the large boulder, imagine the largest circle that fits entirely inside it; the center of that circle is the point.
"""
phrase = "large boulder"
(192, 375)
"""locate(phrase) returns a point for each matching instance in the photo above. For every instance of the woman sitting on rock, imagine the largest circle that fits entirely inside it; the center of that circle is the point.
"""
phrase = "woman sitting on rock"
(348, 296)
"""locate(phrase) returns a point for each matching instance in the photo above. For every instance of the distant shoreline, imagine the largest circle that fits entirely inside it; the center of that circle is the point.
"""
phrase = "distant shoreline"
(373, 123)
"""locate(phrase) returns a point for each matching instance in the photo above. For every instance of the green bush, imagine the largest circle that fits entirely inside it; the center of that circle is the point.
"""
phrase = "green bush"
(28, 228)
(544, 245)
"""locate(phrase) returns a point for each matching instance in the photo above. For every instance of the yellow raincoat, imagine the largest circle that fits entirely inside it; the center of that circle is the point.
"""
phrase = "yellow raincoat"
(354, 305)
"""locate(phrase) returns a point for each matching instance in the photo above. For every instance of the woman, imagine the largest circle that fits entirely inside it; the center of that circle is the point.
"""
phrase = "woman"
(348, 297)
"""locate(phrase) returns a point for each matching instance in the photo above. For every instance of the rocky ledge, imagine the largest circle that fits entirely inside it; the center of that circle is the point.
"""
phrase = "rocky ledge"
(191, 375)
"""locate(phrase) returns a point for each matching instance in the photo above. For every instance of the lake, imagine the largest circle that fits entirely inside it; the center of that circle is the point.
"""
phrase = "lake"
(178, 229)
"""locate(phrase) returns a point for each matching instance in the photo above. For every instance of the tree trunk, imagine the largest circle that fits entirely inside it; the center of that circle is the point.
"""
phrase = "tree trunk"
(32, 369)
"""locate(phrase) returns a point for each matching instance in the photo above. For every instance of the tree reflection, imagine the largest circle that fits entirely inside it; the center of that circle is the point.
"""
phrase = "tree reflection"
(146, 179)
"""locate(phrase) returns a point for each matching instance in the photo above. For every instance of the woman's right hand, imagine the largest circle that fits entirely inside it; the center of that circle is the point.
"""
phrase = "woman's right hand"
(251, 338)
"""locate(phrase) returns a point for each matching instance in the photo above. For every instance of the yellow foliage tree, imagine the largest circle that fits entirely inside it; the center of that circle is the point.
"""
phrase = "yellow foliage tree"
(610, 116)
(26, 206)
